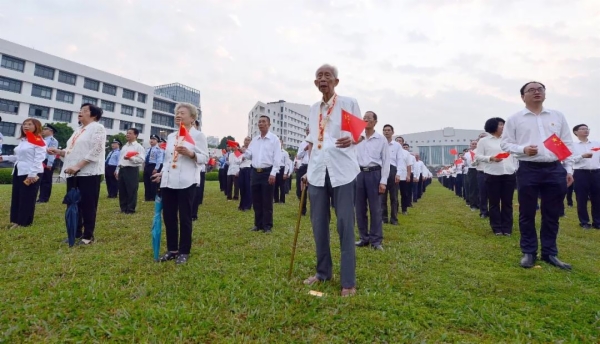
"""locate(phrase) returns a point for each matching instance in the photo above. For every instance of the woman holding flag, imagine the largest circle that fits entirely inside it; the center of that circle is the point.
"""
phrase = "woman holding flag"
(186, 151)
(28, 158)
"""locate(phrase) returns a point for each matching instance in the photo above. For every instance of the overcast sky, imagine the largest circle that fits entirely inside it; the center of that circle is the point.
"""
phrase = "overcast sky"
(419, 64)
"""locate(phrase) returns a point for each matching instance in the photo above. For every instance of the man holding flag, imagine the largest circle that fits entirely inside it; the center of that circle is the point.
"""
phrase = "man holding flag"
(540, 139)
(46, 183)
(131, 159)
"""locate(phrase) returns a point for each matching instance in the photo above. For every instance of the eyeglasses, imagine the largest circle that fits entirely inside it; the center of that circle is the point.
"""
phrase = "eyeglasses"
(533, 90)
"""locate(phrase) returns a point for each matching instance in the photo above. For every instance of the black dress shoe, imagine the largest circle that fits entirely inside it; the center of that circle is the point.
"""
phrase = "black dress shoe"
(404, 213)
(596, 226)
(483, 216)
(585, 225)
(361, 243)
(168, 256)
(40, 201)
(378, 247)
(394, 223)
(385, 221)
(553, 260)
(268, 230)
(528, 260)
(255, 229)
(182, 259)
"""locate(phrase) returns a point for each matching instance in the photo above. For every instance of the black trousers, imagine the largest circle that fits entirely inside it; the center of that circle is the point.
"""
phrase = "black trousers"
(22, 205)
(112, 184)
(46, 184)
(587, 187)
(177, 214)
(548, 181)
(569, 195)
(404, 187)
(129, 183)
(245, 188)
(458, 185)
(262, 199)
(89, 189)
(409, 191)
(279, 189)
(473, 196)
(391, 190)
(483, 195)
(223, 178)
(233, 190)
(199, 196)
(420, 187)
(149, 187)
(299, 174)
(500, 191)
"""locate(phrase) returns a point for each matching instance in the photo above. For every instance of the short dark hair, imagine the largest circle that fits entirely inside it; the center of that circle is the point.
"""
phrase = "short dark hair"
(135, 131)
(465, 150)
(388, 125)
(575, 128)
(491, 125)
(524, 86)
(95, 111)
(374, 115)
(399, 137)
(405, 144)
(267, 117)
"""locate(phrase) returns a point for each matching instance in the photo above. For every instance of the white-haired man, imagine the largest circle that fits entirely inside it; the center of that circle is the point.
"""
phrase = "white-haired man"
(332, 171)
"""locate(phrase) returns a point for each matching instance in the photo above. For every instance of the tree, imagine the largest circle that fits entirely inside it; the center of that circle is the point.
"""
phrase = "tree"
(110, 138)
(62, 134)
(292, 153)
(223, 143)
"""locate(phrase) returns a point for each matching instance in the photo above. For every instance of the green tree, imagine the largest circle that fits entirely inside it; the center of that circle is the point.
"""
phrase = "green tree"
(63, 133)
(292, 153)
(223, 143)
(109, 138)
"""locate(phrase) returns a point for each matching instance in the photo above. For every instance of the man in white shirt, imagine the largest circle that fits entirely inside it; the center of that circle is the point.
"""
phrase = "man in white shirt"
(374, 161)
(282, 176)
(473, 189)
(244, 180)
(417, 185)
(332, 172)
(265, 152)
(303, 157)
(483, 196)
(458, 185)
(540, 172)
(409, 179)
(396, 159)
(405, 172)
(128, 171)
(586, 165)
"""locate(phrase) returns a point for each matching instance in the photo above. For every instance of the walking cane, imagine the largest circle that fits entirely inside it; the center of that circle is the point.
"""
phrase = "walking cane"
(302, 198)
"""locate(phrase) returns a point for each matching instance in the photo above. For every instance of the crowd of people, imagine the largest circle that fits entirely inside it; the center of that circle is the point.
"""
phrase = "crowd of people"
(353, 170)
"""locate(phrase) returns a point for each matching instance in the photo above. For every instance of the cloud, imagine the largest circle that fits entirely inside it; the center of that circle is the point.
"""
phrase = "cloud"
(417, 37)
(235, 20)
(223, 53)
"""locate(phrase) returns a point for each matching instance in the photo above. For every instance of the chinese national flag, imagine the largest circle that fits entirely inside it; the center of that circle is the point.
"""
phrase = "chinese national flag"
(237, 153)
(502, 155)
(352, 124)
(232, 144)
(35, 139)
(458, 161)
(595, 149)
(163, 146)
(557, 146)
(131, 154)
(185, 136)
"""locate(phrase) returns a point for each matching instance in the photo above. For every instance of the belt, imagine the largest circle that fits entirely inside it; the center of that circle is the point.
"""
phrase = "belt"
(122, 167)
(261, 170)
(586, 170)
(536, 164)
(244, 168)
(370, 169)
(304, 165)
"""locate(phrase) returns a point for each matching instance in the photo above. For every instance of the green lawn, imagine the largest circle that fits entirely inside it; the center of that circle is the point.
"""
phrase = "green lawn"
(442, 278)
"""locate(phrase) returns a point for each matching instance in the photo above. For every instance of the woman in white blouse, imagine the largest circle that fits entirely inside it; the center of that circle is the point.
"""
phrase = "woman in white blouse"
(83, 167)
(233, 172)
(28, 160)
(499, 175)
(178, 180)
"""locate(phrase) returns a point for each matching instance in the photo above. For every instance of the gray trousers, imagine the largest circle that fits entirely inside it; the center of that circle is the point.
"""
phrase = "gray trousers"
(367, 191)
(320, 216)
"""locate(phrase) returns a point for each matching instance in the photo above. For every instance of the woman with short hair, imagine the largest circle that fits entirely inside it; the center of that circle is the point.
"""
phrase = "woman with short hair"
(28, 158)
(178, 180)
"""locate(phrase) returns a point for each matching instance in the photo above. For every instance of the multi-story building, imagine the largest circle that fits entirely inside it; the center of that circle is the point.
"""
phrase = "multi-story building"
(52, 89)
(213, 141)
(288, 121)
(434, 146)
(181, 94)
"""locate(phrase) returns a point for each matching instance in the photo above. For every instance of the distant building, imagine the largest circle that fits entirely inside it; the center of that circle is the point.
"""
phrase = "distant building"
(288, 121)
(434, 146)
(213, 140)
(52, 89)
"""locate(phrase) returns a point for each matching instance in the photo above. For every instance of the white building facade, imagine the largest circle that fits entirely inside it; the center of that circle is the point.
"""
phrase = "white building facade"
(288, 121)
(49, 88)
(434, 146)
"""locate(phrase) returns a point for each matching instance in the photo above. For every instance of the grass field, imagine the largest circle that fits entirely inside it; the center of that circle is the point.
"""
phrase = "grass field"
(444, 277)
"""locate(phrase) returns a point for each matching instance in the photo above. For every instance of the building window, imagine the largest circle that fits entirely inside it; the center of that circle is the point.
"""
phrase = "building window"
(164, 106)
(141, 98)
(39, 111)
(107, 106)
(65, 97)
(41, 92)
(44, 72)
(128, 94)
(91, 84)
(62, 115)
(106, 122)
(9, 106)
(13, 63)
(127, 110)
(160, 132)
(86, 99)
(139, 127)
(109, 89)
(8, 129)
(141, 113)
(124, 125)
(165, 120)
(67, 78)
(10, 85)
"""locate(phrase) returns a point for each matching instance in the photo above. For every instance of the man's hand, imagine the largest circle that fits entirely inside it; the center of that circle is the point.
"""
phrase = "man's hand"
(285, 177)
(587, 155)
(243, 149)
(570, 179)
(382, 188)
(184, 151)
(72, 170)
(531, 150)
(117, 175)
(344, 142)
(494, 159)
(126, 157)
(271, 180)
(408, 178)
(154, 172)
(306, 148)
(304, 182)
(156, 177)
(397, 179)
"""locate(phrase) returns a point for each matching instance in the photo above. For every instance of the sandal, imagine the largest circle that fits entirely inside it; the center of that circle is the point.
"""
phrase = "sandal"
(312, 280)
(348, 292)
(168, 256)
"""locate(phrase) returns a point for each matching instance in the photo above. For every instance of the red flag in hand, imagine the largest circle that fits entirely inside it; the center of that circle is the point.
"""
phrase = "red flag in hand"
(502, 155)
(458, 161)
(185, 135)
(35, 139)
(557, 146)
(131, 154)
(237, 153)
(595, 149)
(353, 124)
(232, 144)
(163, 146)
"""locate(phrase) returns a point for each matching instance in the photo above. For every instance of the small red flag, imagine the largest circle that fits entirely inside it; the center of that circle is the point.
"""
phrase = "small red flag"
(163, 146)
(211, 162)
(557, 146)
(458, 161)
(237, 153)
(353, 124)
(35, 139)
(183, 133)
(131, 154)
(595, 149)
(502, 155)
(232, 144)
(453, 151)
